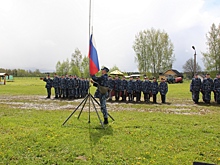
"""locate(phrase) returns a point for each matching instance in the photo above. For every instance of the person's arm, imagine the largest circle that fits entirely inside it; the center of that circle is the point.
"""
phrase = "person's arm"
(96, 79)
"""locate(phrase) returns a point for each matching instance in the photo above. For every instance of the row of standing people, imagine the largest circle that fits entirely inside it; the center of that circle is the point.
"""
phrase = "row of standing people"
(70, 87)
(130, 88)
(206, 87)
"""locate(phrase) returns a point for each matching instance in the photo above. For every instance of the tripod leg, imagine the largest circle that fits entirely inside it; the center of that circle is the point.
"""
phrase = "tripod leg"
(89, 107)
(75, 109)
(97, 113)
(83, 107)
(111, 117)
(100, 105)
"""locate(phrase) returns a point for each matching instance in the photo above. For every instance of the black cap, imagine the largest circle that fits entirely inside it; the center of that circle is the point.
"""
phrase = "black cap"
(105, 68)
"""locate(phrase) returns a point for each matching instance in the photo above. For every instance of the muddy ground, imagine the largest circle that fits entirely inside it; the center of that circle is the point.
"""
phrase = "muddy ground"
(40, 103)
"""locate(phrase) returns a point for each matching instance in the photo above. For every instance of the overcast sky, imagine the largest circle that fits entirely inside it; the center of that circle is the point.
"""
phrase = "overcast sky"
(36, 34)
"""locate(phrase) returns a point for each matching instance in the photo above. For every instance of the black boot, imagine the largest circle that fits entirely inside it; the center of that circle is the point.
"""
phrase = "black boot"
(105, 120)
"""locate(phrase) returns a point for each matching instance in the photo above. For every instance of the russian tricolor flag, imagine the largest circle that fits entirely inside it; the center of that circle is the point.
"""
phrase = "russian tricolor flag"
(93, 57)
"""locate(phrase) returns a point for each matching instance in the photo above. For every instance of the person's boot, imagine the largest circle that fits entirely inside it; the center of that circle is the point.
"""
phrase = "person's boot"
(105, 120)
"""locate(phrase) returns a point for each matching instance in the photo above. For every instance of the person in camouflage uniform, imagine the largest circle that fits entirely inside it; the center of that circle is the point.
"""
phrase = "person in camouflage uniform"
(195, 88)
(59, 88)
(48, 86)
(123, 88)
(154, 89)
(207, 88)
(87, 86)
(103, 81)
(83, 88)
(70, 84)
(80, 87)
(138, 86)
(117, 87)
(146, 89)
(111, 86)
(217, 88)
(130, 89)
(63, 84)
(215, 79)
(76, 87)
(67, 90)
(163, 89)
(56, 83)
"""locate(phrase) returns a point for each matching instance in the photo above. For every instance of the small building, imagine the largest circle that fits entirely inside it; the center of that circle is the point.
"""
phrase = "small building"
(3, 78)
(9, 78)
(170, 72)
(201, 77)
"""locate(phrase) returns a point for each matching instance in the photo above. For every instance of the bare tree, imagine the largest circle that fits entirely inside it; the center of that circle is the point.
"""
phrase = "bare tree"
(189, 67)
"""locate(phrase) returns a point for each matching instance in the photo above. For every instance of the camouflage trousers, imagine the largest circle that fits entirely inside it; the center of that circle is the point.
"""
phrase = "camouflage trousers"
(218, 96)
(102, 99)
(195, 96)
(206, 96)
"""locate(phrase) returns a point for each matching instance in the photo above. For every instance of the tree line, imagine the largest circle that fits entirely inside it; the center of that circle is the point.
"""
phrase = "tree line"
(22, 72)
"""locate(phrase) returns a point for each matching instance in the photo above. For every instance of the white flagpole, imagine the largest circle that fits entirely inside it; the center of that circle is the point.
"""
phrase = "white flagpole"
(89, 50)
(89, 17)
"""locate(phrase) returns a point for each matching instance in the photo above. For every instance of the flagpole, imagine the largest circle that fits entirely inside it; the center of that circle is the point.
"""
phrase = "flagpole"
(89, 17)
(91, 98)
(89, 50)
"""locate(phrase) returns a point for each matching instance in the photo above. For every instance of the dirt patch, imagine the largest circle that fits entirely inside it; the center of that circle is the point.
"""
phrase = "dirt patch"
(41, 103)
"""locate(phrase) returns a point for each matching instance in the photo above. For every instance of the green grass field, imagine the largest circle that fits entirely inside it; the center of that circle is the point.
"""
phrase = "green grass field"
(177, 133)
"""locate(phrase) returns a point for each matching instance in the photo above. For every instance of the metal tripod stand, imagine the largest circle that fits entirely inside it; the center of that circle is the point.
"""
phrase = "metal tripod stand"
(93, 100)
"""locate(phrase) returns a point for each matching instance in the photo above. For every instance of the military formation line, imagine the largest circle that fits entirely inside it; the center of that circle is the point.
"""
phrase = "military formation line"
(120, 89)
(131, 90)
(70, 87)
(206, 87)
